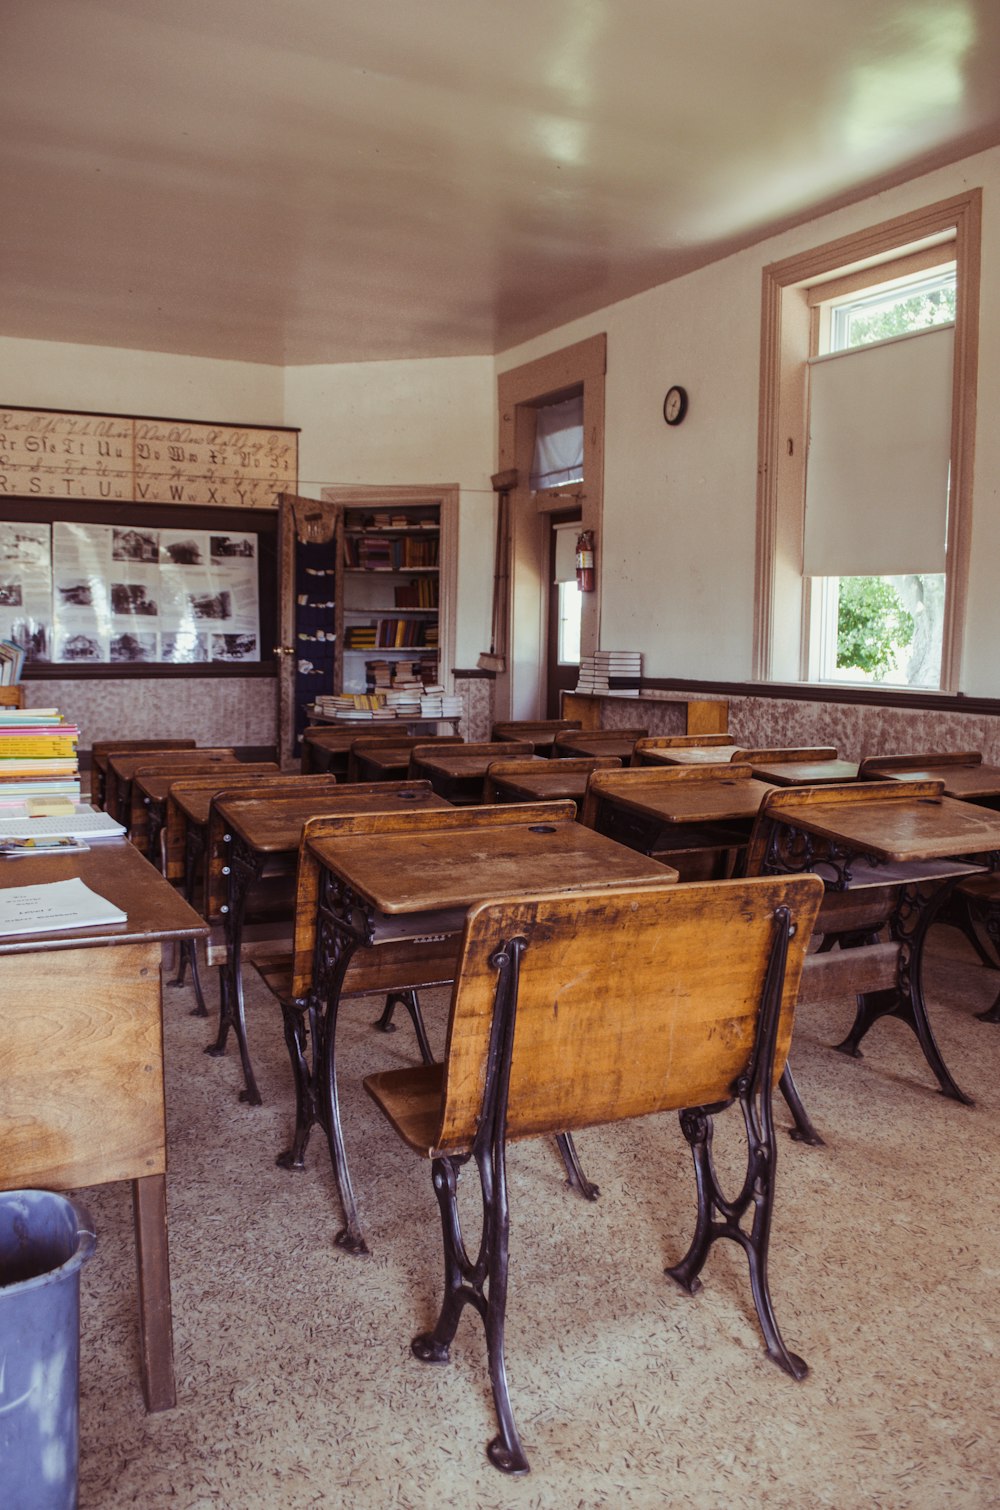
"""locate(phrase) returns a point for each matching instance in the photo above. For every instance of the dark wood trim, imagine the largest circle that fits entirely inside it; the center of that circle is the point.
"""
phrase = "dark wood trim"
(934, 702)
(150, 671)
(475, 674)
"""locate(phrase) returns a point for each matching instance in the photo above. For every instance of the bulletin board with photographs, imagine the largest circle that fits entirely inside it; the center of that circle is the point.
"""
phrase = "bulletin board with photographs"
(94, 589)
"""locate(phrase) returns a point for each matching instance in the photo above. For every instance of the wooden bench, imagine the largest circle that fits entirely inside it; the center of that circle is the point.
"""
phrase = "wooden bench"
(570, 1011)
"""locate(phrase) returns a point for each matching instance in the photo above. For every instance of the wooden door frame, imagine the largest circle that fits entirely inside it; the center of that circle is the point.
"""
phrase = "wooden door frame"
(520, 687)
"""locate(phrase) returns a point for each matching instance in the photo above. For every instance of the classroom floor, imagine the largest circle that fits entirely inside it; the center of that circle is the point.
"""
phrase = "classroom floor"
(297, 1389)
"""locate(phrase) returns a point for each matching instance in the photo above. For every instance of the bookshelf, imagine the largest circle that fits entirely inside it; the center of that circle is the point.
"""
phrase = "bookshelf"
(389, 603)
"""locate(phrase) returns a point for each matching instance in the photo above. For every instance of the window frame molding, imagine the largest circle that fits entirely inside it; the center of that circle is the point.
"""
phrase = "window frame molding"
(781, 433)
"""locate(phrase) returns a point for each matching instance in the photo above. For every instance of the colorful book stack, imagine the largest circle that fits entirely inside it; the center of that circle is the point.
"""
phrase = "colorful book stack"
(38, 757)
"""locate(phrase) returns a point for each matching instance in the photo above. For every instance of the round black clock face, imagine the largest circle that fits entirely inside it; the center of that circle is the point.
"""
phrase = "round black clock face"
(675, 405)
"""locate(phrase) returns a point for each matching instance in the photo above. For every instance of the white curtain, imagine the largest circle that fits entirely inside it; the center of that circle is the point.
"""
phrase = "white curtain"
(558, 444)
(879, 449)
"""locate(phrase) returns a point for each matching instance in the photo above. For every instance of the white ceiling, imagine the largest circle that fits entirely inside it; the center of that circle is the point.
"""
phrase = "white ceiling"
(300, 181)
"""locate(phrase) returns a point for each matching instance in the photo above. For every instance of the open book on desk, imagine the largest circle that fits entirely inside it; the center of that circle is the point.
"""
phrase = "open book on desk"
(91, 826)
(54, 907)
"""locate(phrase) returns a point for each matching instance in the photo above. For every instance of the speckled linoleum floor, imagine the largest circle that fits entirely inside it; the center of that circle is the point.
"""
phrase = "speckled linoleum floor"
(296, 1387)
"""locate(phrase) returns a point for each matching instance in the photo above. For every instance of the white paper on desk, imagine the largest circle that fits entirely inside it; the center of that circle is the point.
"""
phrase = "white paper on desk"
(55, 906)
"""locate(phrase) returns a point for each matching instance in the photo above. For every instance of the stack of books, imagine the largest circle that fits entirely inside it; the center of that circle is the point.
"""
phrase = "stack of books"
(436, 703)
(11, 663)
(38, 756)
(592, 679)
(623, 670)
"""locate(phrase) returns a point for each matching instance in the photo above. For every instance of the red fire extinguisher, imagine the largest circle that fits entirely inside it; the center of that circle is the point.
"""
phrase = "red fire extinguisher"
(585, 561)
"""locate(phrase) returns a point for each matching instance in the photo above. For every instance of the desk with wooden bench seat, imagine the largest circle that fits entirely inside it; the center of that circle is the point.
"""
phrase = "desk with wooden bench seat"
(458, 773)
(389, 759)
(102, 750)
(890, 854)
(620, 742)
(151, 789)
(253, 839)
(540, 733)
(121, 771)
(532, 780)
(373, 884)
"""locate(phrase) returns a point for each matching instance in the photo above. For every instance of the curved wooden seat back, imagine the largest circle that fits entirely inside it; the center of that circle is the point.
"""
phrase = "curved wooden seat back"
(778, 756)
(678, 742)
(653, 775)
(874, 766)
(629, 1002)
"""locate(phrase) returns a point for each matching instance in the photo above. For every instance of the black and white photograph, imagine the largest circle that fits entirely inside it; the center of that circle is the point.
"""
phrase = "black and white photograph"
(79, 649)
(234, 647)
(31, 637)
(133, 647)
(211, 605)
(179, 548)
(132, 598)
(75, 594)
(184, 648)
(134, 545)
(10, 594)
(233, 547)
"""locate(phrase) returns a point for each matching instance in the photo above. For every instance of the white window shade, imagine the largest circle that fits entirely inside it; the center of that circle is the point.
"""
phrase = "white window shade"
(558, 444)
(566, 551)
(879, 448)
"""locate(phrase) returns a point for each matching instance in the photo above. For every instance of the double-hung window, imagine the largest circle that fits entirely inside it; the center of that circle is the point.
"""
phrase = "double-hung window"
(868, 390)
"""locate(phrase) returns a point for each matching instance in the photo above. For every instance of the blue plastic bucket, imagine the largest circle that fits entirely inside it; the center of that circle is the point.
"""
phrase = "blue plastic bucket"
(44, 1241)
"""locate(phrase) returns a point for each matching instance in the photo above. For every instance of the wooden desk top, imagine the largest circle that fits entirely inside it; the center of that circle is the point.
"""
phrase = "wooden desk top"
(456, 760)
(194, 797)
(156, 784)
(545, 784)
(691, 755)
(275, 825)
(386, 757)
(895, 832)
(441, 870)
(964, 781)
(599, 742)
(126, 766)
(118, 872)
(683, 801)
(806, 772)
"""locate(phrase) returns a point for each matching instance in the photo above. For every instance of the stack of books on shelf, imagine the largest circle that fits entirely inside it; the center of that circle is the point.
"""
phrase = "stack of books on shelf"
(404, 701)
(422, 592)
(623, 669)
(38, 757)
(360, 637)
(598, 671)
(436, 703)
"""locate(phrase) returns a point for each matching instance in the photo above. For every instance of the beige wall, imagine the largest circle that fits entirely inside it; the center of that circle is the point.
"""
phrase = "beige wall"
(411, 423)
(679, 504)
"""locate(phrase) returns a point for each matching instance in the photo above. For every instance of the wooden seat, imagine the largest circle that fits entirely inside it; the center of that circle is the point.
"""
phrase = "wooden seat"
(575, 1010)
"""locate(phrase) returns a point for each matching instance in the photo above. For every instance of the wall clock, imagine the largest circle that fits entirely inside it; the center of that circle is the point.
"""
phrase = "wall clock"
(675, 404)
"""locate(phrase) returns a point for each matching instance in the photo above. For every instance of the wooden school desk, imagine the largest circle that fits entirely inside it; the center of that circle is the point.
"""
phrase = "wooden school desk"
(416, 878)
(151, 788)
(122, 768)
(81, 1062)
(654, 808)
(251, 838)
(102, 750)
(458, 772)
(534, 781)
(868, 835)
(388, 759)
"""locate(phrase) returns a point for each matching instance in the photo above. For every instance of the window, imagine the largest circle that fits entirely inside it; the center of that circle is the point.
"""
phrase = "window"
(895, 303)
(879, 449)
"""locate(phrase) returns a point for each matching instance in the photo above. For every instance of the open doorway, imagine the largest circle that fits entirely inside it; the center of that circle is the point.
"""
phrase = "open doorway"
(565, 611)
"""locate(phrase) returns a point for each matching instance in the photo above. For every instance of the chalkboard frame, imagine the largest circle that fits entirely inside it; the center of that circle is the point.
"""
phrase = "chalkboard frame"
(261, 522)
